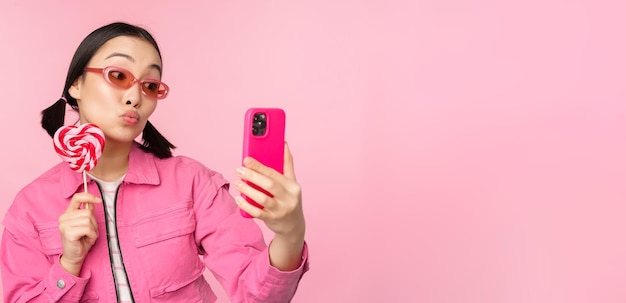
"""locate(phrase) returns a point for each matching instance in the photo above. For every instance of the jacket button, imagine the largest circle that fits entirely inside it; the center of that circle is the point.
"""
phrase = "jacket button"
(61, 284)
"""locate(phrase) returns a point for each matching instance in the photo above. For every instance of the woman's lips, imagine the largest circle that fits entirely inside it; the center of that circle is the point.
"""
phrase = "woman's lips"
(131, 117)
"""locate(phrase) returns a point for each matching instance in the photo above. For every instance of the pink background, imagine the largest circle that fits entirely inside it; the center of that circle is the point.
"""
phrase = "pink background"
(450, 151)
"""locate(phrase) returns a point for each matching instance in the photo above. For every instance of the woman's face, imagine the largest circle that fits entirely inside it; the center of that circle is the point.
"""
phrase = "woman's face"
(120, 113)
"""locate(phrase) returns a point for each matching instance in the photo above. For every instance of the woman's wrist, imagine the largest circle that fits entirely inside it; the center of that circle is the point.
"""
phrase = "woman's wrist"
(285, 253)
(71, 267)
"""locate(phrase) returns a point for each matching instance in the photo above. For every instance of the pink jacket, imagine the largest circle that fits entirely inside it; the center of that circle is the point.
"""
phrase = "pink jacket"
(169, 211)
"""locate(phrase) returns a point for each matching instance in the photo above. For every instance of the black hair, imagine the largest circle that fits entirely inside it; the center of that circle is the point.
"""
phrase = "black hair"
(53, 117)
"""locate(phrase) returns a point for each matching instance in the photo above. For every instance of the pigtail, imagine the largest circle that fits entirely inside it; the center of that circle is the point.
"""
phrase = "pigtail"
(155, 143)
(53, 117)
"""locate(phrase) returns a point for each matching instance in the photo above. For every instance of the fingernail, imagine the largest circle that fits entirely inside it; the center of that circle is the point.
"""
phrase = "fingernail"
(247, 161)
(238, 184)
(238, 200)
(241, 171)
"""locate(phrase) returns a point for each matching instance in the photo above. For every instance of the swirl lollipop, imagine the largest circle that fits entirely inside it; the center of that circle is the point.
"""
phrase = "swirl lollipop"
(80, 146)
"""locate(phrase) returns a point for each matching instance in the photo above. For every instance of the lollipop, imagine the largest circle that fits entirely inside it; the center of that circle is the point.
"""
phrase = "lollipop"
(80, 146)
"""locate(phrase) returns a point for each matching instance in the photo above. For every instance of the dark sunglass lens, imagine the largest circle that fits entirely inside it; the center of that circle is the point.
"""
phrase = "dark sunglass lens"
(119, 78)
(151, 88)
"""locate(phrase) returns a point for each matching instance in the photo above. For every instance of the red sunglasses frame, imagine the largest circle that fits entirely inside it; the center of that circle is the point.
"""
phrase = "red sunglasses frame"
(161, 94)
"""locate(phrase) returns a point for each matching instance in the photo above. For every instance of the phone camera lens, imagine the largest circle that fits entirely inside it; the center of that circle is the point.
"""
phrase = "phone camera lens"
(259, 117)
(259, 124)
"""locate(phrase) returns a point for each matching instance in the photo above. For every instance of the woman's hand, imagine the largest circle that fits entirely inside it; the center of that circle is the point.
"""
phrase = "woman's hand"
(79, 231)
(281, 212)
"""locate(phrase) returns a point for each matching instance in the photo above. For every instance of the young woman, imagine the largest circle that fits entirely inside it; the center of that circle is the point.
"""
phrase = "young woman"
(156, 221)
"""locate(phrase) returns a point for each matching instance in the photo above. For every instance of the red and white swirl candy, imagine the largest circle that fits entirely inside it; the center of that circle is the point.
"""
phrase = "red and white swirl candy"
(80, 146)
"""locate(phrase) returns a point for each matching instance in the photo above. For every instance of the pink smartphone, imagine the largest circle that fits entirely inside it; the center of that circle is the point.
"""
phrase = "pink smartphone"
(264, 140)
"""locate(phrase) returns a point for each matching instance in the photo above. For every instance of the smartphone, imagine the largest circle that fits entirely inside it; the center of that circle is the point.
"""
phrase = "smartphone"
(264, 140)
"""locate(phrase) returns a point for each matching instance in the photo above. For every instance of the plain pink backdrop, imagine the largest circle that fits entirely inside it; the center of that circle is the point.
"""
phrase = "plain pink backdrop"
(449, 151)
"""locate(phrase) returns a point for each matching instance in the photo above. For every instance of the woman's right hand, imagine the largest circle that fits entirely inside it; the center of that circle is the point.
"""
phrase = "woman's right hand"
(79, 231)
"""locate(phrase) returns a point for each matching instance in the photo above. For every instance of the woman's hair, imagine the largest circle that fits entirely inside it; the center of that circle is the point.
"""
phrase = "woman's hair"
(53, 117)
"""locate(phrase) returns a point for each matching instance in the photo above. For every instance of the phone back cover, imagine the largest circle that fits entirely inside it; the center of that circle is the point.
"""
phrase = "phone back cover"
(268, 148)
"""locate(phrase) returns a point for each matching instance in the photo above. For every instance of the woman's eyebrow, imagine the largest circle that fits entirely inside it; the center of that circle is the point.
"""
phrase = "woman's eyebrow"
(131, 59)
(157, 67)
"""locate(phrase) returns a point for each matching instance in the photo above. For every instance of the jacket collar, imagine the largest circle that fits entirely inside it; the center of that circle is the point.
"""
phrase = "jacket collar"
(141, 170)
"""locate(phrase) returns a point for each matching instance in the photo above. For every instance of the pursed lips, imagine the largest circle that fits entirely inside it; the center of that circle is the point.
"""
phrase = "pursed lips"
(131, 117)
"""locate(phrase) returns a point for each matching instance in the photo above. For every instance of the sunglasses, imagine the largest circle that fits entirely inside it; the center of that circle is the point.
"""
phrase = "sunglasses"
(122, 78)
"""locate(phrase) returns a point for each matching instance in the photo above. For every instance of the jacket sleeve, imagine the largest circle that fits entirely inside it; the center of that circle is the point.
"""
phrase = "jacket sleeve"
(234, 249)
(28, 273)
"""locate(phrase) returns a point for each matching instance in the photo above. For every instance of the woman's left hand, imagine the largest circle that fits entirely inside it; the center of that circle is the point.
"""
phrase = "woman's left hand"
(282, 213)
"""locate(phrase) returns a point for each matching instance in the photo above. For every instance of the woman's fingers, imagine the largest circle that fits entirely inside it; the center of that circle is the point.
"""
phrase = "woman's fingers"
(263, 177)
(260, 173)
(80, 198)
(279, 195)
(75, 233)
(268, 179)
(288, 167)
(78, 226)
(73, 223)
(283, 200)
(255, 193)
(249, 208)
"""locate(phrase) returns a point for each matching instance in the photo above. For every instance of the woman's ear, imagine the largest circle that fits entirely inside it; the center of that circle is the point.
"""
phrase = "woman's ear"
(74, 90)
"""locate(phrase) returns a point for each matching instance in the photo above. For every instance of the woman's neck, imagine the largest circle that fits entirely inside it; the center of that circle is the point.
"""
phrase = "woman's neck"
(113, 163)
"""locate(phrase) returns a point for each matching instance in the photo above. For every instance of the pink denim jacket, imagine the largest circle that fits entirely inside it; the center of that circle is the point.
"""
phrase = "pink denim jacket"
(169, 212)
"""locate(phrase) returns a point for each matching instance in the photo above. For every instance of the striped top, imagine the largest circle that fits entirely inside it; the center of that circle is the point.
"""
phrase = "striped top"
(109, 192)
